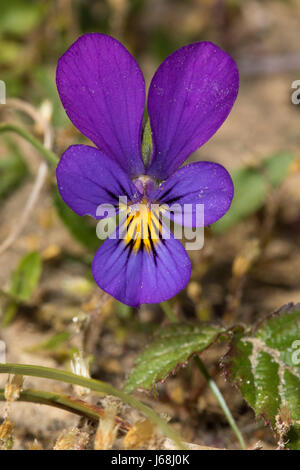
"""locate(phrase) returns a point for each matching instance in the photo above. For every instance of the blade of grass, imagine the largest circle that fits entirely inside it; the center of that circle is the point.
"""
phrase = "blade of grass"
(166, 307)
(218, 394)
(48, 154)
(64, 402)
(96, 386)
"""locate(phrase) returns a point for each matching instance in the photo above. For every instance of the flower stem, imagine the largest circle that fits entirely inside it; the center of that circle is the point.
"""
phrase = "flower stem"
(96, 386)
(218, 394)
(169, 312)
(48, 154)
(211, 383)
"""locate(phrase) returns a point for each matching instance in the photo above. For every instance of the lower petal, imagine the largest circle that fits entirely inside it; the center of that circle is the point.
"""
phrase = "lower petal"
(141, 275)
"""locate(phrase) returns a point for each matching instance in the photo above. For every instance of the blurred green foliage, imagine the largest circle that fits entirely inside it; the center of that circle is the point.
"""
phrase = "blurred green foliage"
(13, 170)
(19, 17)
(81, 228)
(251, 188)
(23, 283)
(26, 277)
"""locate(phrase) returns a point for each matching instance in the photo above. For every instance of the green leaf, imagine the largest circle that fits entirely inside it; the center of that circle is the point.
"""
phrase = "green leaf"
(19, 17)
(23, 282)
(276, 168)
(265, 365)
(251, 186)
(13, 172)
(172, 346)
(9, 53)
(147, 145)
(26, 277)
(79, 227)
(52, 343)
(9, 314)
(250, 192)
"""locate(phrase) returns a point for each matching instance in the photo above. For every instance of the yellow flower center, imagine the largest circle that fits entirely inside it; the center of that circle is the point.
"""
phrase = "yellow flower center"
(143, 226)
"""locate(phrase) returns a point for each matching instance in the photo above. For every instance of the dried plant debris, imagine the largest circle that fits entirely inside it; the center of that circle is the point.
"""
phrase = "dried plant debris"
(13, 387)
(107, 430)
(72, 439)
(6, 434)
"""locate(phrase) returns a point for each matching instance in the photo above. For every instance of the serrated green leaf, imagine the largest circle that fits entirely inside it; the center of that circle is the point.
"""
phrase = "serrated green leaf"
(26, 277)
(80, 227)
(147, 143)
(171, 347)
(265, 365)
(251, 187)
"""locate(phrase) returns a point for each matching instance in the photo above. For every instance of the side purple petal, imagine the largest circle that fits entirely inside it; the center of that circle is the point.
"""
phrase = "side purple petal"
(190, 96)
(136, 278)
(87, 178)
(202, 183)
(103, 92)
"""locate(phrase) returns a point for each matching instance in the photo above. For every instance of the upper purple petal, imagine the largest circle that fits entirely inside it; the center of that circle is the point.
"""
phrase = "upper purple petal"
(103, 92)
(87, 178)
(190, 96)
(141, 277)
(204, 183)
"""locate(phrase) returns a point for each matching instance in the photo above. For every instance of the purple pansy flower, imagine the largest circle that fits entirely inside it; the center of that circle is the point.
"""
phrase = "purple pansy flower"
(103, 92)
